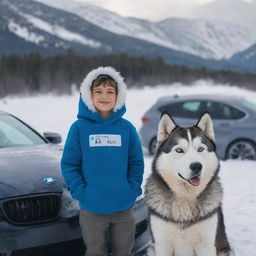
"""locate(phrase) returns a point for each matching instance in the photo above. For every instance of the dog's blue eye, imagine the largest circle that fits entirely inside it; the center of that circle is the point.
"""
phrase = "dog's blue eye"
(200, 149)
(179, 150)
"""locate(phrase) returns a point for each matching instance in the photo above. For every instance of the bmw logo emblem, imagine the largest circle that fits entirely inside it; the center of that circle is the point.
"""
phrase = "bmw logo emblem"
(49, 180)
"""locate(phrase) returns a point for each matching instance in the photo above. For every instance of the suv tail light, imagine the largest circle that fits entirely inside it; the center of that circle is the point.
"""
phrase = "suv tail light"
(144, 119)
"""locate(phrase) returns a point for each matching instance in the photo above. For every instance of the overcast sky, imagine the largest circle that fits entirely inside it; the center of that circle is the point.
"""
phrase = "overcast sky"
(231, 10)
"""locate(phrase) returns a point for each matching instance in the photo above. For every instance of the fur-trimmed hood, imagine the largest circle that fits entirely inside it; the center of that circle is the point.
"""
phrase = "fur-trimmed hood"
(85, 88)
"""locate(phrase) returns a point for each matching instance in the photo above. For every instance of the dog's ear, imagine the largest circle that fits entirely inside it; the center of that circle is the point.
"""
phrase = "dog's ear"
(165, 128)
(206, 125)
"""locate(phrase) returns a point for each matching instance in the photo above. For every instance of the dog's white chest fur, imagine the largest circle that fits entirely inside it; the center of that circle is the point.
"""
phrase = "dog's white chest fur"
(196, 240)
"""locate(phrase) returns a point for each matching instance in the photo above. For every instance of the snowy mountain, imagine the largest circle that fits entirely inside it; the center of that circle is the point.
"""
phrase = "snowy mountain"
(210, 39)
(27, 26)
(246, 58)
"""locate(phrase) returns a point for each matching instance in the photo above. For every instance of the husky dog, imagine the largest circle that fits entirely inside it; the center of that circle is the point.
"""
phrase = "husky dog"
(184, 192)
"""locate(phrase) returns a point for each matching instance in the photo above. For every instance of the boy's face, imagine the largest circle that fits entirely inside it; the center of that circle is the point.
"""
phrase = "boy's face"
(104, 99)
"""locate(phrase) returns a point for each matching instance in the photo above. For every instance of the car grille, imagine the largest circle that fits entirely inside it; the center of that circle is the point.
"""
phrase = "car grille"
(32, 210)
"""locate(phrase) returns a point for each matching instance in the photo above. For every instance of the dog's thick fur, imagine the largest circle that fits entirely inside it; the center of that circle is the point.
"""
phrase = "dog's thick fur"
(184, 192)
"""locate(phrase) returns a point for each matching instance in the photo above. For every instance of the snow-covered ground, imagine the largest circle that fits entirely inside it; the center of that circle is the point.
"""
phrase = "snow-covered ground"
(53, 113)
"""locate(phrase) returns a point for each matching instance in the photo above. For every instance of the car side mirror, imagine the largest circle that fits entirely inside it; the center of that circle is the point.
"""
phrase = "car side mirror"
(52, 137)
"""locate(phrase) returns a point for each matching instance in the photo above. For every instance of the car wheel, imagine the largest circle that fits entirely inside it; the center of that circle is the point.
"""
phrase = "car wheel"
(152, 146)
(241, 150)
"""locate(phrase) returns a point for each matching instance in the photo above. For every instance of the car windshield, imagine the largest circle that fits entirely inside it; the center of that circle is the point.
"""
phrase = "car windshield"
(250, 105)
(14, 133)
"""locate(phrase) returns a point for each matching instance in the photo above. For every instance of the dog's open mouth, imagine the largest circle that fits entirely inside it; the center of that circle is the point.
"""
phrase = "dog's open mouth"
(194, 181)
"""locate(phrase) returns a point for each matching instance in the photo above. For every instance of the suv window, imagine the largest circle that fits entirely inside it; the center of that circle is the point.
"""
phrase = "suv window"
(194, 109)
(188, 109)
(220, 110)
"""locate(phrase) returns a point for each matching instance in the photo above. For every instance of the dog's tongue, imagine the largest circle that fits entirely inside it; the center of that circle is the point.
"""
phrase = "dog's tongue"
(195, 181)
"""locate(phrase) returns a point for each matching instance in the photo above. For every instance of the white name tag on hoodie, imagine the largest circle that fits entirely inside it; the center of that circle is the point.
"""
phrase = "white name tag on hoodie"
(103, 140)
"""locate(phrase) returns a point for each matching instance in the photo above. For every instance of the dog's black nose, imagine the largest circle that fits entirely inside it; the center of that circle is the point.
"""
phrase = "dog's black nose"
(196, 168)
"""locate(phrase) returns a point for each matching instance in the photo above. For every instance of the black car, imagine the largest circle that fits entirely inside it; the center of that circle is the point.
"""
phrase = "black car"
(36, 211)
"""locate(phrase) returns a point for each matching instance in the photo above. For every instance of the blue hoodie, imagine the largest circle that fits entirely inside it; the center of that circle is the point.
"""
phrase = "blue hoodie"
(102, 162)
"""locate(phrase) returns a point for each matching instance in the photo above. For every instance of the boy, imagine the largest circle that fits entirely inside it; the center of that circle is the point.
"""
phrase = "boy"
(102, 164)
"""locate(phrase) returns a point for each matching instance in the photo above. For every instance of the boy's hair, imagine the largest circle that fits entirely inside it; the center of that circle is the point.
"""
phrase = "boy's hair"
(104, 80)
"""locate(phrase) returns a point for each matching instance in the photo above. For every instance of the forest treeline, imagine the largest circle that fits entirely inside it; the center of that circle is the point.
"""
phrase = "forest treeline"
(33, 73)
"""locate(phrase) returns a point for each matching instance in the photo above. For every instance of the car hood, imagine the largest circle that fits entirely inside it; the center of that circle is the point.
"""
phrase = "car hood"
(23, 169)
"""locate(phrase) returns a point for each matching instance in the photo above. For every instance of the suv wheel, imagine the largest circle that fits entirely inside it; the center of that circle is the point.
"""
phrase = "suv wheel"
(241, 150)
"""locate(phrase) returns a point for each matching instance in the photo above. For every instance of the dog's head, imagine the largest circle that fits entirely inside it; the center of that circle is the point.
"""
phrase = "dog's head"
(186, 157)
